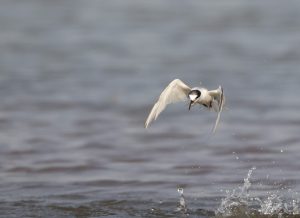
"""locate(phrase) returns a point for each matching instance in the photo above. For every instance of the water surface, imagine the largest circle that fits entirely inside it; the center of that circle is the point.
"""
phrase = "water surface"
(78, 79)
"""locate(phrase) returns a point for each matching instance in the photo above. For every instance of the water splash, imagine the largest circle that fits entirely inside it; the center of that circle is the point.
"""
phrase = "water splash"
(247, 183)
(236, 203)
(295, 206)
(239, 203)
(182, 204)
(273, 205)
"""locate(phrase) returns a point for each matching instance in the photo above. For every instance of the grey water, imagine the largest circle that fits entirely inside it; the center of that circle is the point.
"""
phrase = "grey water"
(78, 79)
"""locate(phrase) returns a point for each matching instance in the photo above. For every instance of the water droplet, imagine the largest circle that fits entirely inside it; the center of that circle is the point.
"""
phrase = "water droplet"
(180, 191)
(235, 155)
(182, 204)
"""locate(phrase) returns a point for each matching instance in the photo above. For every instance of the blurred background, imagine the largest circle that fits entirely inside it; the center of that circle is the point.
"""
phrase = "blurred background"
(78, 79)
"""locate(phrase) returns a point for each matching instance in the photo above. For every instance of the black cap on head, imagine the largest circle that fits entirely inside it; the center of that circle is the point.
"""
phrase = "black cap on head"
(195, 92)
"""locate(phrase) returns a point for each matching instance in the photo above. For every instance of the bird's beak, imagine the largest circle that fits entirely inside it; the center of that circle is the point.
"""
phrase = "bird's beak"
(191, 102)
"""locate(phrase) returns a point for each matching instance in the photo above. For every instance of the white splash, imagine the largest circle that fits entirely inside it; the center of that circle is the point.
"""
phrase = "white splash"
(237, 201)
(182, 204)
(273, 205)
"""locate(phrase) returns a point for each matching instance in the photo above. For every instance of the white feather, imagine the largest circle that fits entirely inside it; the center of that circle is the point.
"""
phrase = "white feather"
(217, 104)
(176, 91)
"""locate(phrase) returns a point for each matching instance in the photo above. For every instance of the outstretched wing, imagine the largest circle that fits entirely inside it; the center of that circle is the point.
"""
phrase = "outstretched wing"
(174, 92)
(217, 103)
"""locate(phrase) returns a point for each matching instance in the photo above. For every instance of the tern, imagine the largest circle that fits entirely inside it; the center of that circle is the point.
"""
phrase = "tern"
(178, 91)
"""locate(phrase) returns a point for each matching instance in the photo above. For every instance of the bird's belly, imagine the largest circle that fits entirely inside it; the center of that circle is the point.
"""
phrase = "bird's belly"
(206, 103)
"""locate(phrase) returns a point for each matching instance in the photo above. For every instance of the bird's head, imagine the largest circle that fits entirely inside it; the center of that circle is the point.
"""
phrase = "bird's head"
(193, 96)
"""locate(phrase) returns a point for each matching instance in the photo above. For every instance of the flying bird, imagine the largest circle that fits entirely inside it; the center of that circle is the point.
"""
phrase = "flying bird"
(178, 91)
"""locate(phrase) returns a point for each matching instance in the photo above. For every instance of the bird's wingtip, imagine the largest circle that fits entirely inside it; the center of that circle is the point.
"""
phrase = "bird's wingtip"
(146, 125)
(214, 130)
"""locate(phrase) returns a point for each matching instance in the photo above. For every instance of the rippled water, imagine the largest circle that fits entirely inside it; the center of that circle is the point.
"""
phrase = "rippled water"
(78, 79)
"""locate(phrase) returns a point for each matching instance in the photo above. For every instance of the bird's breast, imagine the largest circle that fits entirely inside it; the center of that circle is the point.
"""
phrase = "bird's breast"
(205, 100)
